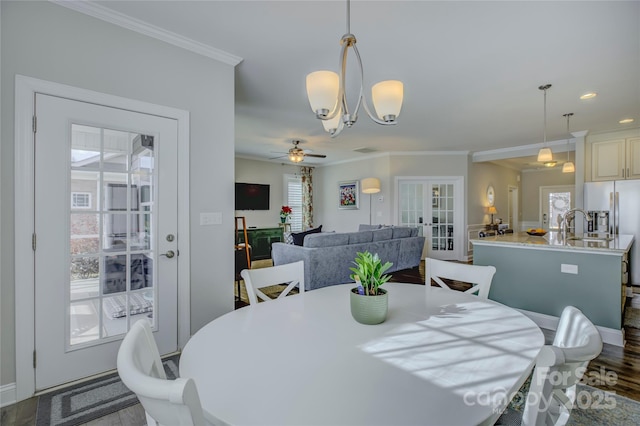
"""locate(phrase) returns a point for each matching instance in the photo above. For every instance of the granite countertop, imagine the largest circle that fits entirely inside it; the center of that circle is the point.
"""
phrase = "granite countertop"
(553, 241)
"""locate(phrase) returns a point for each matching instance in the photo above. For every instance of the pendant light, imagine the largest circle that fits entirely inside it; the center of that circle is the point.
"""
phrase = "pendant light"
(327, 93)
(545, 155)
(568, 167)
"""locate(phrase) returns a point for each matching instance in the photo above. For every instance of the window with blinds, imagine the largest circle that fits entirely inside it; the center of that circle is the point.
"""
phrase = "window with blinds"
(293, 186)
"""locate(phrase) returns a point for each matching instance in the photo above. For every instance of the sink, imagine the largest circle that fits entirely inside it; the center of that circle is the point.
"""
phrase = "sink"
(591, 237)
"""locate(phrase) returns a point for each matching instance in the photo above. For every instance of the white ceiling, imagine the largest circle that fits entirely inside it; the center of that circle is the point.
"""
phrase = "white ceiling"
(471, 70)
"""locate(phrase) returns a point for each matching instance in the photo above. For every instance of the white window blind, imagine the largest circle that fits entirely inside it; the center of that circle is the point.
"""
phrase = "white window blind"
(294, 200)
(80, 200)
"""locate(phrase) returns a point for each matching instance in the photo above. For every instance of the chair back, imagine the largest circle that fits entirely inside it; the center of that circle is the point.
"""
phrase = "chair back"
(165, 402)
(559, 367)
(291, 274)
(479, 277)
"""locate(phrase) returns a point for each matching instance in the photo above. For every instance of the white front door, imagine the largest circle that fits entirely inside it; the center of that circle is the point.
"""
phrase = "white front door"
(555, 201)
(105, 234)
(435, 205)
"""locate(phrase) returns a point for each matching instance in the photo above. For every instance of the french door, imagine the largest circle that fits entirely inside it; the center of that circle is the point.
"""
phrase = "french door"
(105, 234)
(555, 201)
(435, 205)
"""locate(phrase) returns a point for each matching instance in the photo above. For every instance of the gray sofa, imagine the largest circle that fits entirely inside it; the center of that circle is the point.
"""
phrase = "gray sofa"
(328, 256)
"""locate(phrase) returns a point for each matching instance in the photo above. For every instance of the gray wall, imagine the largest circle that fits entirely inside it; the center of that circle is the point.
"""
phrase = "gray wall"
(325, 189)
(272, 174)
(481, 175)
(49, 42)
(531, 183)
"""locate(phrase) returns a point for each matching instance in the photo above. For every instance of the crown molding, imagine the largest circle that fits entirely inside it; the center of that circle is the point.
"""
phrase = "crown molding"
(524, 150)
(141, 27)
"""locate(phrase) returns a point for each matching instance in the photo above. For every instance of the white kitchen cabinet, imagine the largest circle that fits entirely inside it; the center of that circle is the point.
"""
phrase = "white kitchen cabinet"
(615, 159)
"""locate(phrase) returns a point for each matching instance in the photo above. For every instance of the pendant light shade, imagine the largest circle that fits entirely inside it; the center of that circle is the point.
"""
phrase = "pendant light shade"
(545, 155)
(387, 99)
(322, 91)
(568, 167)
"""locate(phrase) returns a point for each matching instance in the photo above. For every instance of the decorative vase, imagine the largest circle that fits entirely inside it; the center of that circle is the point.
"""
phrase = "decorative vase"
(369, 310)
(283, 219)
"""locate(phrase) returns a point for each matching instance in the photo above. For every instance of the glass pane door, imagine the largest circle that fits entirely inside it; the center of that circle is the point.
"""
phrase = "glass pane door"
(111, 220)
(442, 217)
(412, 205)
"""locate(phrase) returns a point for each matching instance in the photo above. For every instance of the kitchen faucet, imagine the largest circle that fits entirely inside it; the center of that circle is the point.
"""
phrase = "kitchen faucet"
(566, 218)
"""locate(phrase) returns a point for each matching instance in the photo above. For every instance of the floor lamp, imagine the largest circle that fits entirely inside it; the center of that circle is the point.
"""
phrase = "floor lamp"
(370, 186)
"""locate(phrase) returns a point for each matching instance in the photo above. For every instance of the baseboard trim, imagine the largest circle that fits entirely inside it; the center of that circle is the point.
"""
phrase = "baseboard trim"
(7, 394)
(609, 335)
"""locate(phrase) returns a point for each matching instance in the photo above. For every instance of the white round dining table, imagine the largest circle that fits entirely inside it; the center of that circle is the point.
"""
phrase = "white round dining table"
(442, 357)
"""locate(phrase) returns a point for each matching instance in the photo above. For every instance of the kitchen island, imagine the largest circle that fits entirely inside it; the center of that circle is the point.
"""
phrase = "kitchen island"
(542, 275)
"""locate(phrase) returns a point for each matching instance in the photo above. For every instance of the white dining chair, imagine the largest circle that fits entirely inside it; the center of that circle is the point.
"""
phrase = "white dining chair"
(559, 367)
(165, 402)
(478, 276)
(291, 274)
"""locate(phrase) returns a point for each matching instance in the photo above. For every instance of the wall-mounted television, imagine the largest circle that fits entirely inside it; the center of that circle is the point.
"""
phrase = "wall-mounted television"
(252, 196)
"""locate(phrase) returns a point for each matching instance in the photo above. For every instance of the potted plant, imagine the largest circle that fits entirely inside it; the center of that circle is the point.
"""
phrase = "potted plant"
(285, 211)
(369, 302)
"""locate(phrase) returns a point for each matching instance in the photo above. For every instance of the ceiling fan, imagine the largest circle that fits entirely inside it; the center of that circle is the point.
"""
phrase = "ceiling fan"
(297, 154)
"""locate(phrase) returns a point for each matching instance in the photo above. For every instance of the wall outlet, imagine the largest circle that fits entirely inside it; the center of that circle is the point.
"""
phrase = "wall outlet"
(568, 269)
(214, 218)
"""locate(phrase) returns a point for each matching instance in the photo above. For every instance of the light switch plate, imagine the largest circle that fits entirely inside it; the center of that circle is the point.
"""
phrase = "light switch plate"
(207, 219)
(568, 269)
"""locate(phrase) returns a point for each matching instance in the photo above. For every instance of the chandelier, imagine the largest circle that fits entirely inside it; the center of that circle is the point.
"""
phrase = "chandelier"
(544, 155)
(568, 167)
(326, 92)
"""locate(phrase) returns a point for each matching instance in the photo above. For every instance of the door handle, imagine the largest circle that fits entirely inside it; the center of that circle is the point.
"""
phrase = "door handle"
(169, 254)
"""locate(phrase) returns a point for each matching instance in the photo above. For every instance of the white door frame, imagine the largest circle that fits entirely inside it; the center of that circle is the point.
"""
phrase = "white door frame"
(26, 88)
(513, 192)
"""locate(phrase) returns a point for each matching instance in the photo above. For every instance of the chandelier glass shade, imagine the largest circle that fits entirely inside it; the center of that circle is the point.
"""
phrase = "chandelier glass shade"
(568, 167)
(327, 92)
(545, 155)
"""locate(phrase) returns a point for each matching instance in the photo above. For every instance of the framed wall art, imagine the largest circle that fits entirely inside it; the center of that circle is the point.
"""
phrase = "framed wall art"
(348, 195)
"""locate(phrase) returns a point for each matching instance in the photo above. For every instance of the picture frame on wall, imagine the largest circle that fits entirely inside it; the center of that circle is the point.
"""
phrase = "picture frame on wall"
(349, 195)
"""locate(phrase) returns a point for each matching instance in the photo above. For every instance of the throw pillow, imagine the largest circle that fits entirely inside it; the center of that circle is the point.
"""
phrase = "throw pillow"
(298, 237)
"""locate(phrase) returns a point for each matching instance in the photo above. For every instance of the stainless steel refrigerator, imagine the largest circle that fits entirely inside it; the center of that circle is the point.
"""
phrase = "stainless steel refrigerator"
(621, 198)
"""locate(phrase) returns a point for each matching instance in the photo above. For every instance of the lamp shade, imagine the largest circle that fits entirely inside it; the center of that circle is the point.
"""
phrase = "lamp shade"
(544, 155)
(322, 90)
(370, 185)
(492, 210)
(568, 167)
(387, 99)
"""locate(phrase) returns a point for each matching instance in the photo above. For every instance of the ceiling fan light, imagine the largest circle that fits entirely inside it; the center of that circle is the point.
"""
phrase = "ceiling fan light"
(322, 91)
(387, 99)
(568, 167)
(544, 155)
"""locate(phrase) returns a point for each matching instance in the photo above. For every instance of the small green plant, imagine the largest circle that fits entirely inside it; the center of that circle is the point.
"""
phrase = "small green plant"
(369, 273)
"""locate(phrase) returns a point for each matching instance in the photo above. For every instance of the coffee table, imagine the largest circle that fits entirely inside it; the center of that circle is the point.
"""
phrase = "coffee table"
(441, 357)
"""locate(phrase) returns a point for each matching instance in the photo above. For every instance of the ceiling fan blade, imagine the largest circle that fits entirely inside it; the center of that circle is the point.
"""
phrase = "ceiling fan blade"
(280, 156)
(315, 155)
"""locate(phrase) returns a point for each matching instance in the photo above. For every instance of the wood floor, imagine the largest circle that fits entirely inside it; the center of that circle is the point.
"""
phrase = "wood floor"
(615, 369)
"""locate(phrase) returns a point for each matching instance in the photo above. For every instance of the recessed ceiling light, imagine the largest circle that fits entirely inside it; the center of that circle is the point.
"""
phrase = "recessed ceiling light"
(626, 121)
(550, 163)
(589, 95)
